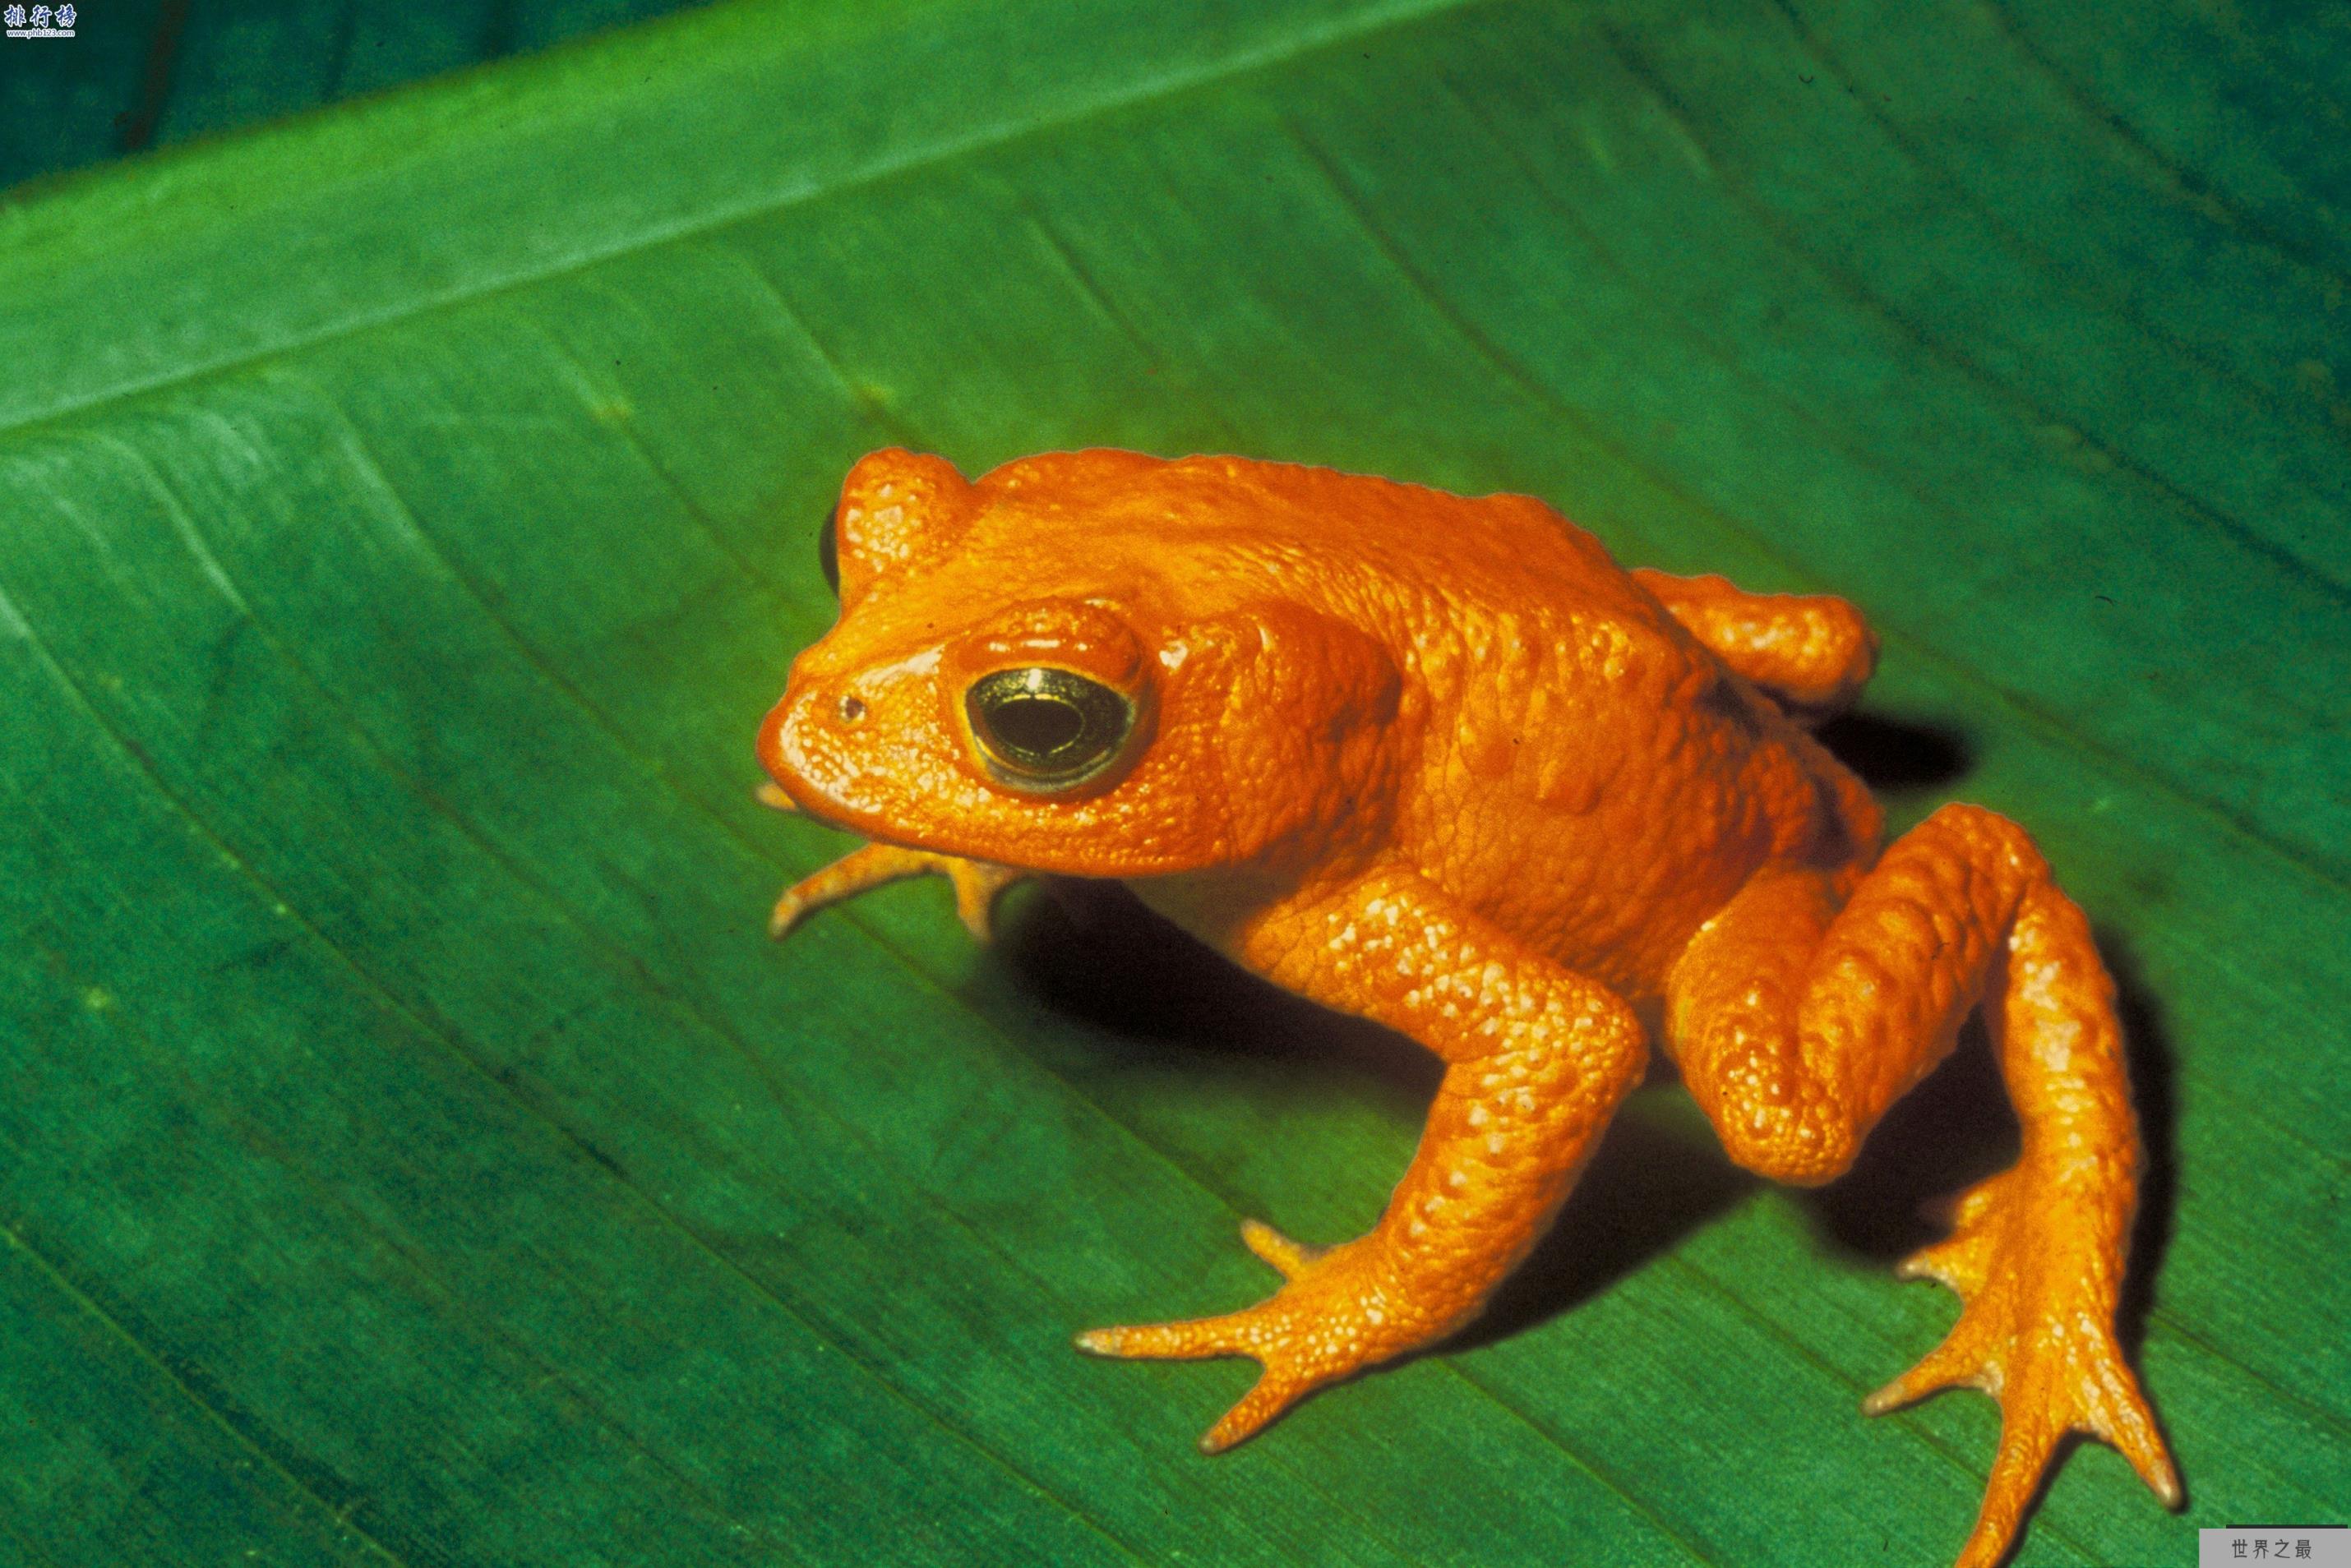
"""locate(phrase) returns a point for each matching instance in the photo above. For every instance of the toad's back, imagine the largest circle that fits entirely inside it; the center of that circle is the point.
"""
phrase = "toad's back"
(1586, 773)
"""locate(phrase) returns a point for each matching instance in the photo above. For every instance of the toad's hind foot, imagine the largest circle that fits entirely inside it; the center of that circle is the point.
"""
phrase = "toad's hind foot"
(1334, 1318)
(2036, 1334)
(977, 884)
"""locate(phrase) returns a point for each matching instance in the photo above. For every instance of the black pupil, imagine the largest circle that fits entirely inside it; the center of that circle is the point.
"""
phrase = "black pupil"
(1048, 728)
(1039, 725)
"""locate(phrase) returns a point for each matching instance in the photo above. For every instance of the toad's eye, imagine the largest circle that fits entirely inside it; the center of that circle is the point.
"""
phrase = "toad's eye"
(1046, 728)
(828, 550)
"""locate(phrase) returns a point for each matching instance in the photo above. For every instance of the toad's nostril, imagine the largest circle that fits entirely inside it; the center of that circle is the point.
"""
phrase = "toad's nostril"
(852, 709)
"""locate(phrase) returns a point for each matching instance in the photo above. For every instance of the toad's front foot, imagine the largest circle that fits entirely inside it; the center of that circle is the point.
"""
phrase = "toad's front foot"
(2037, 1334)
(1338, 1314)
(976, 883)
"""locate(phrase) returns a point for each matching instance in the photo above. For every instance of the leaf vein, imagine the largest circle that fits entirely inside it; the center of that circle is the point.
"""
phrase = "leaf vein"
(2185, 183)
(209, 1411)
(449, 1040)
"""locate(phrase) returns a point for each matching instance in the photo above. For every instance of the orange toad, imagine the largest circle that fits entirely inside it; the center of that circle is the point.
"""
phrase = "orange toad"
(1440, 762)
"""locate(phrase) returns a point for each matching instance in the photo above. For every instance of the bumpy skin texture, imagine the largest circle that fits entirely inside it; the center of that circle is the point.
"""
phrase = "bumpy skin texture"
(1440, 762)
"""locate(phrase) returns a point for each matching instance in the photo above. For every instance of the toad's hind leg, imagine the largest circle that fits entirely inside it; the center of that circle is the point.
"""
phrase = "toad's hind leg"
(1798, 1017)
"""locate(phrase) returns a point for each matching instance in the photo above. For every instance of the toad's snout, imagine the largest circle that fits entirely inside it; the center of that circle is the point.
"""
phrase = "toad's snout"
(804, 741)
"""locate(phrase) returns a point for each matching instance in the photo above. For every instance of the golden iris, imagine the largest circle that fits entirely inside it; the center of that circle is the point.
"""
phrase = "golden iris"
(1047, 729)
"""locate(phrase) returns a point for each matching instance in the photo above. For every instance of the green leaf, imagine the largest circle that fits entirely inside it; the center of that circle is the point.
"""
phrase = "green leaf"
(415, 1151)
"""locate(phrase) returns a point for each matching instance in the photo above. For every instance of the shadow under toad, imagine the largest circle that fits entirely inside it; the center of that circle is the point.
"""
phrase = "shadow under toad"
(2148, 1045)
(1093, 951)
(1897, 754)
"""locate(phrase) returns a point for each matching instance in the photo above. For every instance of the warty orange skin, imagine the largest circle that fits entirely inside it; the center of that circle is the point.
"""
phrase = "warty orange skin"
(1440, 762)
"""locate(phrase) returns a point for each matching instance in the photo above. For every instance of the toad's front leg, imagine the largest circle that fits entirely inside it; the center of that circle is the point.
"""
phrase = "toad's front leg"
(1537, 1058)
(976, 883)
